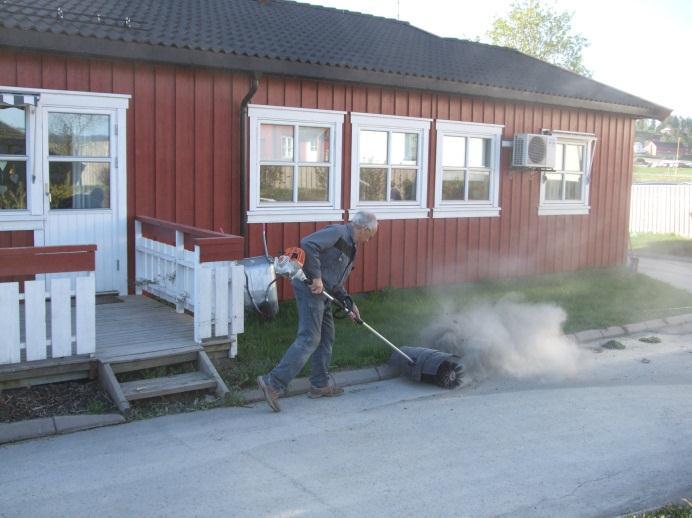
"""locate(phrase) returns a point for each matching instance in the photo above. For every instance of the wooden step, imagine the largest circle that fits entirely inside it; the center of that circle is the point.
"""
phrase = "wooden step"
(153, 387)
(149, 360)
(206, 377)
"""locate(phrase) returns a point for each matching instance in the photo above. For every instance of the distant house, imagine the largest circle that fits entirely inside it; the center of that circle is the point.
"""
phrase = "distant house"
(235, 114)
(666, 150)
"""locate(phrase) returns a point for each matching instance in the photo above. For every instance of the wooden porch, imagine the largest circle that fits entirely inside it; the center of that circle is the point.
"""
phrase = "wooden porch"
(189, 307)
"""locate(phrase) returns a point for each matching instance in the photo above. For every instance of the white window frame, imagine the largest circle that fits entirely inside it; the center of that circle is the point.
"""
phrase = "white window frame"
(571, 207)
(293, 211)
(388, 210)
(470, 208)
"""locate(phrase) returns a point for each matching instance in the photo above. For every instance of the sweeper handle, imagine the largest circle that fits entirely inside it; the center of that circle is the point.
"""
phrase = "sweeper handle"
(290, 265)
(360, 321)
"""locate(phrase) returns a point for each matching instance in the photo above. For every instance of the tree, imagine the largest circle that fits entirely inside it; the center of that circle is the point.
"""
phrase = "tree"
(541, 32)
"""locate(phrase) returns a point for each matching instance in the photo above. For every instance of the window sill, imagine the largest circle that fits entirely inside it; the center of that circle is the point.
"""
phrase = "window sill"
(294, 215)
(383, 213)
(564, 210)
(466, 212)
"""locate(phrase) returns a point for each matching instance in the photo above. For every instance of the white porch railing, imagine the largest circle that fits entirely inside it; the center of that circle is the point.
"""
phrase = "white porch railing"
(42, 320)
(195, 270)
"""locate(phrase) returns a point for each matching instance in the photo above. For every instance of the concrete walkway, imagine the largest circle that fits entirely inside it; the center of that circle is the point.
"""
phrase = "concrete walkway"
(675, 272)
(617, 438)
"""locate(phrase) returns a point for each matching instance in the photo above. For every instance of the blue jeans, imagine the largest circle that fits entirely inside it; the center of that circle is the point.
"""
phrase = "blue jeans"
(315, 338)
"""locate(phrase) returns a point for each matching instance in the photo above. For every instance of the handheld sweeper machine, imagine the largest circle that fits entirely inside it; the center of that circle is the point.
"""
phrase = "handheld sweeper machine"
(417, 363)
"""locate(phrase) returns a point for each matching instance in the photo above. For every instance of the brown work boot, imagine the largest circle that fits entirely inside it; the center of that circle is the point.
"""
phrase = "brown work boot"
(270, 394)
(331, 390)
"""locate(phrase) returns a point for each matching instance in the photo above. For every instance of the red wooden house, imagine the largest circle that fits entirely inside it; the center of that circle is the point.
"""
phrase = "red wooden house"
(225, 115)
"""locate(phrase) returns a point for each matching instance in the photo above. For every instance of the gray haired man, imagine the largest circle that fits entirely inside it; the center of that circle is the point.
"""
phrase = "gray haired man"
(329, 256)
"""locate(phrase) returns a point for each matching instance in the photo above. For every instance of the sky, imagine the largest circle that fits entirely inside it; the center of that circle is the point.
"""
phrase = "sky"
(639, 46)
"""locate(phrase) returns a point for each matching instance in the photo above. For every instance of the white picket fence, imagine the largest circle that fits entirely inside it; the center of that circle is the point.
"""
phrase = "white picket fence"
(662, 209)
(40, 333)
(212, 291)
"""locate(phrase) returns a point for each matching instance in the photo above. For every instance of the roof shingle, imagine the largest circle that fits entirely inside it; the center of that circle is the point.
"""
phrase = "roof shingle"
(302, 33)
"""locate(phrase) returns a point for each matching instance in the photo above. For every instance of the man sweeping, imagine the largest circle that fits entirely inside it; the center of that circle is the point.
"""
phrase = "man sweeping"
(329, 256)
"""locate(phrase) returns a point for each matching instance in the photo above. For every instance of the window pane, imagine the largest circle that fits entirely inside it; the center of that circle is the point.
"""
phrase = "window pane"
(276, 142)
(453, 185)
(373, 184)
(12, 131)
(12, 185)
(403, 186)
(313, 144)
(479, 185)
(559, 155)
(373, 147)
(479, 152)
(553, 186)
(573, 186)
(574, 155)
(313, 184)
(276, 183)
(78, 134)
(79, 185)
(404, 148)
(453, 151)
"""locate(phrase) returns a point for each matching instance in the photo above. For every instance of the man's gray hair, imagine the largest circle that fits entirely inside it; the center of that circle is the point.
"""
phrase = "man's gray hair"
(365, 219)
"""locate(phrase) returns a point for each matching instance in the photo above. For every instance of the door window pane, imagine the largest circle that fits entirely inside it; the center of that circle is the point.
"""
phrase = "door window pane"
(373, 184)
(479, 152)
(573, 157)
(573, 186)
(79, 185)
(404, 148)
(313, 184)
(12, 185)
(276, 142)
(479, 185)
(78, 134)
(403, 186)
(313, 144)
(373, 147)
(276, 183)
(453, 151)
(553, 186)
(453, 185)
(12, 131)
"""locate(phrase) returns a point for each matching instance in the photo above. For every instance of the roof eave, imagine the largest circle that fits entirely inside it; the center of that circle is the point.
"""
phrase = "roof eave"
(98, 47)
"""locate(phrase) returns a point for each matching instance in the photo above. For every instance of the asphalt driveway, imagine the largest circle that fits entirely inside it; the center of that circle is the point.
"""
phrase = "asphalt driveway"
(615, 439)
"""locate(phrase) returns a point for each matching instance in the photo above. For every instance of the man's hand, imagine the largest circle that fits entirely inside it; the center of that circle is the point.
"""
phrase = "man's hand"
(316, 287)
(354, 314)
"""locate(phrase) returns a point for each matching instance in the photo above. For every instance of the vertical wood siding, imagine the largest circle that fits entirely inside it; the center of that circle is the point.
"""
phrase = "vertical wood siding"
(183, 165)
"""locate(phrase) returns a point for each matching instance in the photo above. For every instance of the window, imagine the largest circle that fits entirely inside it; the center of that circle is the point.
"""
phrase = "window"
(79, 160)
(389, 166)
(13, 158)
(467, 173)
(565, 189)
(295, 164)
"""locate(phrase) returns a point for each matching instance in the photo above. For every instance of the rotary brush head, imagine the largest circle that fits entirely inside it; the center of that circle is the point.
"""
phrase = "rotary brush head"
(431, 366)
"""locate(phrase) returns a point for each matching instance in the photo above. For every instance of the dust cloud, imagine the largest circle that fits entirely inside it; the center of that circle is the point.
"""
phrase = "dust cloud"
(508, 338)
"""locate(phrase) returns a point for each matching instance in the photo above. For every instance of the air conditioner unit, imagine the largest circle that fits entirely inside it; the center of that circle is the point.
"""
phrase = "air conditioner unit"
(534, 151)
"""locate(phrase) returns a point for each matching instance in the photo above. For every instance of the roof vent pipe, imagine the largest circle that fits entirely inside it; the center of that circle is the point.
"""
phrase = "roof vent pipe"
(243, 158)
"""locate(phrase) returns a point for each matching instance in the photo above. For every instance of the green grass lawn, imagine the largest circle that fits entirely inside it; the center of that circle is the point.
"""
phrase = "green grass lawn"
(662, 174)
(665, 244)
(591, 299)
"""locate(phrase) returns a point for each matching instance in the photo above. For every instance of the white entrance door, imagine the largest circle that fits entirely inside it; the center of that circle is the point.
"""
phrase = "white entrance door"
(83, 198)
